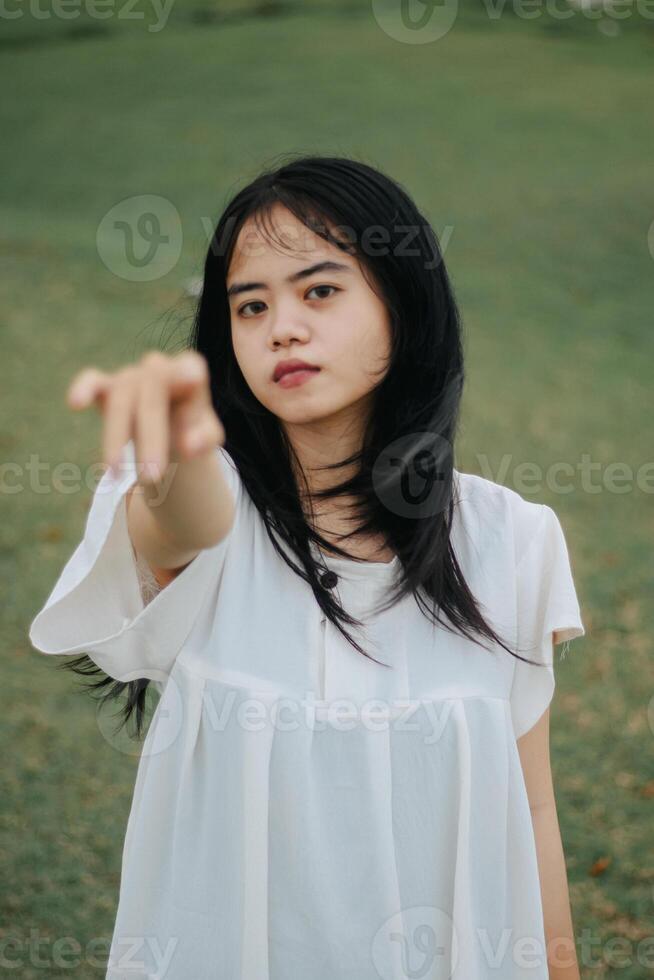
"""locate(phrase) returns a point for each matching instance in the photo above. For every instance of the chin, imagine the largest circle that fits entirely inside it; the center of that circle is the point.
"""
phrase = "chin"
(302, 416)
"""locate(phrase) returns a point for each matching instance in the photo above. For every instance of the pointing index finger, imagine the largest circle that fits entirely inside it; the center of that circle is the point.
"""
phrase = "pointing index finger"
(85, 388)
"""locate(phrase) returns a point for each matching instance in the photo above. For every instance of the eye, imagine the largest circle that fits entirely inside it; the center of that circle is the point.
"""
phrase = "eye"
(242, 309)
(253, 302)
(335, 288)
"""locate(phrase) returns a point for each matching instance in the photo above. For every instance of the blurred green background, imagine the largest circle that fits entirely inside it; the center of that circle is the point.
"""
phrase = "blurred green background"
(528, 143)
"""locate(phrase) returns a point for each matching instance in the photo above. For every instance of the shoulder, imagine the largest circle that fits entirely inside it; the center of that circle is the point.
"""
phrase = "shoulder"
(496, 511)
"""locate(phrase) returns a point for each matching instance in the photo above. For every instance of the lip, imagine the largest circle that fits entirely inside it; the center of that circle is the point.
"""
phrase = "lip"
(294, 378)
(285, 367)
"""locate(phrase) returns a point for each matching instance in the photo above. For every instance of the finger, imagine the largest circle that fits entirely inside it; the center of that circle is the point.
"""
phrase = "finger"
(152, 428)
(188, 376)
(118, 417)
(206, 433)
(195, 425)
(86, 387)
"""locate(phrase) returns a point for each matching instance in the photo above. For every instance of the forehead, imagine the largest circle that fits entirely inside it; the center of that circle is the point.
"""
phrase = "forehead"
(280, 240)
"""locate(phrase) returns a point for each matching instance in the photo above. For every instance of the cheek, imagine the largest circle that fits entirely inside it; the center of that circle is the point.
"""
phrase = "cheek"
(369, 345)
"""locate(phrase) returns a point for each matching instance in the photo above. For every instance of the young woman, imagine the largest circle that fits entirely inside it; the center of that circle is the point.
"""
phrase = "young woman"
(347, 775)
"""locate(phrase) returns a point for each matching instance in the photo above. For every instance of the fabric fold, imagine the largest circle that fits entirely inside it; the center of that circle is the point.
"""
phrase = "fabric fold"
(97, 605)
(463, 946)
(547, 613)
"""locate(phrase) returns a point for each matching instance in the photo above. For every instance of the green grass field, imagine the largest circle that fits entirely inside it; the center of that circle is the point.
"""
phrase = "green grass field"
(528, 144)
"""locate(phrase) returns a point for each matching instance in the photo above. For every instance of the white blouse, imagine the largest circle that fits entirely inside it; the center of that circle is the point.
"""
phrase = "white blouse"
(301, 812)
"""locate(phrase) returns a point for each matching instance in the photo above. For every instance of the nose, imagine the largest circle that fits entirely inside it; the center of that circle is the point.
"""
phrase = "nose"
(288, 323)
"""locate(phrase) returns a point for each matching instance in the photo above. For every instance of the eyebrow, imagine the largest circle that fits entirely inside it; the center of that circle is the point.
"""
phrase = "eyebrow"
(329, 266)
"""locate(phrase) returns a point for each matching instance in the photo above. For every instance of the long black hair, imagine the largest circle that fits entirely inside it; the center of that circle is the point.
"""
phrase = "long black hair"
(404, 481)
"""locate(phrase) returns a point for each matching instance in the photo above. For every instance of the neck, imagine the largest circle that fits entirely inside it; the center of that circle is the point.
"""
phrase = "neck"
(322, 442)
(316, 445)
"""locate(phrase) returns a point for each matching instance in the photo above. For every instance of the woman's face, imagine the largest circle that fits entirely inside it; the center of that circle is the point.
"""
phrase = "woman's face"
(330, 318)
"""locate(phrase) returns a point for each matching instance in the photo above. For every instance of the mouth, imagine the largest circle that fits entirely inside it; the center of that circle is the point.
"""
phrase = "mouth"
(298, 376)
(292, 365)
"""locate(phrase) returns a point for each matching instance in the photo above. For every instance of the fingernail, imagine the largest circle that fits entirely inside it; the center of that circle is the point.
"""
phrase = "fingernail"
(192, 371)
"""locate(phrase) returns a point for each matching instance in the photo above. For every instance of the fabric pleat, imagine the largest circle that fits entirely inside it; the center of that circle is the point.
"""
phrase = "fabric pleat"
(380, 848)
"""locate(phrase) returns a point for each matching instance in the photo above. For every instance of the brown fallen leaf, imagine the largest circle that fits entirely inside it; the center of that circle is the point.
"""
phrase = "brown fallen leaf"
(599, 867)
(51, 532)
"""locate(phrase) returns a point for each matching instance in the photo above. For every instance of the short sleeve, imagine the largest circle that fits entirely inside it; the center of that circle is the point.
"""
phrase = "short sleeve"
(547, 613)
(97, 605)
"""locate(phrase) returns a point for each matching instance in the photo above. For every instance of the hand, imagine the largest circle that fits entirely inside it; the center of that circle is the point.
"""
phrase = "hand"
(163, 402)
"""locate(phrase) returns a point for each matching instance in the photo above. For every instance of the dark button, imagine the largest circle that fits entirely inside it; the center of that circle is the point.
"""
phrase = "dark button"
(329, 579)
